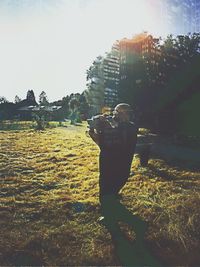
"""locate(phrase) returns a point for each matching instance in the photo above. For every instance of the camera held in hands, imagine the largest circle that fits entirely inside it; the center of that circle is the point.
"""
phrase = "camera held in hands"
(99, 122)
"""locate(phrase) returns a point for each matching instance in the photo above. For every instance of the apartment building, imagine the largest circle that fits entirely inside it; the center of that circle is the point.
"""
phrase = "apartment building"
(132, 51)
(111, 76)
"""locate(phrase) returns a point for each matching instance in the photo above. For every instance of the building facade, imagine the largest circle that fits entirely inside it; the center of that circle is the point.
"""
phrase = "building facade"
(136, 53)
(111, 76)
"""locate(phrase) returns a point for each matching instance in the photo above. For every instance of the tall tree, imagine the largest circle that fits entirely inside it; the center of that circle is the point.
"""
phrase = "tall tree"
(17, 99)
(3, 100)
(180, 66)
(84, 106)
(74, 108)
(30, 96)
(43, 100)
(95, 86)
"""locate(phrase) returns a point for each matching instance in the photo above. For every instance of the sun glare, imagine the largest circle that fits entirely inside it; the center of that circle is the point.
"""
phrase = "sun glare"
(54, 47)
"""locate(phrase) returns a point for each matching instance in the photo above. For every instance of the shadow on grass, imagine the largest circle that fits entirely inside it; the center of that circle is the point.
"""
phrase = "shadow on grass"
(181, 165)
(14, 127)
(128, 252)
(26, 258)
(30, 125)
(183, 158)
(162, 173)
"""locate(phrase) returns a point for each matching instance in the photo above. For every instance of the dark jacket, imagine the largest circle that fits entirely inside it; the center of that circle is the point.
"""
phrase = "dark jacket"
(117, 149)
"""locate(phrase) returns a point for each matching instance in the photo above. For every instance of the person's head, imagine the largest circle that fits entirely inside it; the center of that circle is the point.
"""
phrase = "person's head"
(122, 112)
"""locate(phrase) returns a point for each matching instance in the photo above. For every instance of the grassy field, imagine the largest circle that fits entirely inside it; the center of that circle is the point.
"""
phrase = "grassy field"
(49, 203)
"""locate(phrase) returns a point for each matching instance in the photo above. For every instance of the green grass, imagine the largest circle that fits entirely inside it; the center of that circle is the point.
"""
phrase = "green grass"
(50, 207)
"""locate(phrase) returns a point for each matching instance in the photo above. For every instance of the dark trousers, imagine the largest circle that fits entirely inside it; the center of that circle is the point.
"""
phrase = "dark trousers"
(114, 172)
(111, 185)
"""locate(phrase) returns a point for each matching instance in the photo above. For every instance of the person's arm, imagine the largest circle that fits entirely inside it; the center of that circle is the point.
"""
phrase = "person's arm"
(95, 137)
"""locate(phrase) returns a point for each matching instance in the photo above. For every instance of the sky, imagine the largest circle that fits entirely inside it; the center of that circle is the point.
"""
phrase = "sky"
(47, 45)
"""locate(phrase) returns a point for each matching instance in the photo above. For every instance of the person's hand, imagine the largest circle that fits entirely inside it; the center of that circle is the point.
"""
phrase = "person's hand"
(94, 136)
(102, 117)
(89, 132)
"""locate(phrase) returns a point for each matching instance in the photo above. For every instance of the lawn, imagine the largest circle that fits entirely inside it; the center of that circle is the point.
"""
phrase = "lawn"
(50, 209)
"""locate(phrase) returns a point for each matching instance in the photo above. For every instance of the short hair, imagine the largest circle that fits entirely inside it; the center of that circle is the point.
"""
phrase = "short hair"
(126, 107)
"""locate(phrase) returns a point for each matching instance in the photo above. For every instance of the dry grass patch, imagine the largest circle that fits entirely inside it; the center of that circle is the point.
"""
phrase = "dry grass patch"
(49, 202)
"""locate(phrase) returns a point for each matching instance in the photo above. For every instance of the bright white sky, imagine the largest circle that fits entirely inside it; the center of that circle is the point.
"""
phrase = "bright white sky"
(49, 44)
